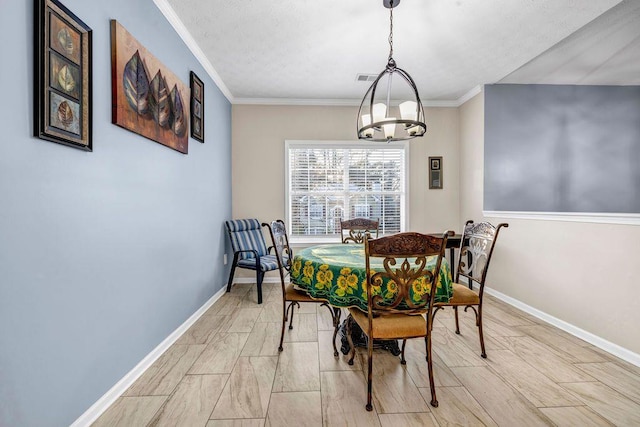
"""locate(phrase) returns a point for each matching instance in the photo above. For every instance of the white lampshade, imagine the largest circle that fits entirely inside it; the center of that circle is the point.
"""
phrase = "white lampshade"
(379, 112)
(366, 120)
(390, 129)
(408, 110)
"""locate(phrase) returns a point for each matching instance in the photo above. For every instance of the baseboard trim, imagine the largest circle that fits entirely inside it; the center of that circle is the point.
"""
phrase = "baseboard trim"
(101, 405)
(608, 346)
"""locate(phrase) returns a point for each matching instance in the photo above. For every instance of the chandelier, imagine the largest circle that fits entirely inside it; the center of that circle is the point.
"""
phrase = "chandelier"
(377, 119)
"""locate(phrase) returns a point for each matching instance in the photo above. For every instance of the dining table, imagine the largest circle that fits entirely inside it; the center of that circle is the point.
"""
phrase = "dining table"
(336, 273)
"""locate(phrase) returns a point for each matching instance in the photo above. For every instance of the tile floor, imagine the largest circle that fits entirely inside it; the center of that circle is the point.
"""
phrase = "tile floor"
(226, 371)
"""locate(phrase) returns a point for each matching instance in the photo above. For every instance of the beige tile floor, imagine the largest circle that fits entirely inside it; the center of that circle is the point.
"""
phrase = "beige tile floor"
(226, 371)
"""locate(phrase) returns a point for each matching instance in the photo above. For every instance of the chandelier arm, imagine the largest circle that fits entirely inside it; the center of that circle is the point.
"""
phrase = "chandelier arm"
(409, 80)
(372, 91)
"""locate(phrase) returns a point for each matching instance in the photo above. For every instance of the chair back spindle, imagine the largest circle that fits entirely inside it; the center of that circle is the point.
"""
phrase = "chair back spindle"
(476, 248)
(358, 229)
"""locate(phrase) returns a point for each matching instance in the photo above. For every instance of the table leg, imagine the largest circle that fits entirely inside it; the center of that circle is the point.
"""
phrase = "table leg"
(337, 313)
(452, 255)
(360, 340)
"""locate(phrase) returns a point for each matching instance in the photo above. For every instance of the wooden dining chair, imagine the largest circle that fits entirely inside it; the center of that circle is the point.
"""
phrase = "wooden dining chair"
(408, 280)
(357, 229)
(476, 248)
(290, 295)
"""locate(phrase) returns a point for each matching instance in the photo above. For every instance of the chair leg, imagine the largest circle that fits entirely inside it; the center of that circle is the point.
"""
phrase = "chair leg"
(259, 277)
(335, 316)
(369, 372)
(291, 306)
(434, 400)
(284, 321)
(455, 309)
(350, 340)
(231, 273)
(403, 361)
(483, 353)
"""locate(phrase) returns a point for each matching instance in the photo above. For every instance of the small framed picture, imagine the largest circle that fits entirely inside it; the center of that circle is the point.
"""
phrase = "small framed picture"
(197, 108)
(435, 173)
(62, 77)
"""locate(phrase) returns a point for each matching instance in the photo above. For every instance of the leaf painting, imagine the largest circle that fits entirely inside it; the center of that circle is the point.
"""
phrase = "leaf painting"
(147, 98)
(65, 79)
(65, 76)
(136, 84)
(65, 40)
(64, 113)
(179, 121)
(159, 101)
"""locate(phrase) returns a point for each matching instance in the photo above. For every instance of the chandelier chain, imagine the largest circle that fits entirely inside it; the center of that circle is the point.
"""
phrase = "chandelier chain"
(391, 32)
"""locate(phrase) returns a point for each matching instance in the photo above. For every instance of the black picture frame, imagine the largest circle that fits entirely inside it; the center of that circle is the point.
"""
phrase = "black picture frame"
(62, 76)
(435, 173)
(197, 108)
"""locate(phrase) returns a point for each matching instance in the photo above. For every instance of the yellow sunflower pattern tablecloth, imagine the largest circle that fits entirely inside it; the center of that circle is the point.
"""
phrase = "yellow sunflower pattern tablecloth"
(337, 274)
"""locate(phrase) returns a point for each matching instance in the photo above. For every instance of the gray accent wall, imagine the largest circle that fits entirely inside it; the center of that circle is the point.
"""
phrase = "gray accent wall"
(559, 148)
(102, 254)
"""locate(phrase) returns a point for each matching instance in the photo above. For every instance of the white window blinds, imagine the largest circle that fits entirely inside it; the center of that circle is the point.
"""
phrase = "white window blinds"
(329, 183)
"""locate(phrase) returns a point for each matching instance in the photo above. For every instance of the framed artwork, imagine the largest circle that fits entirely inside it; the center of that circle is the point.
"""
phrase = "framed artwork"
(197, 108)
(435, 173)
(146, 97)
(62, 76)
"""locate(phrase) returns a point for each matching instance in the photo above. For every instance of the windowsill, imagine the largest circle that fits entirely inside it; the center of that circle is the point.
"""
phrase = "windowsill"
(305, 241)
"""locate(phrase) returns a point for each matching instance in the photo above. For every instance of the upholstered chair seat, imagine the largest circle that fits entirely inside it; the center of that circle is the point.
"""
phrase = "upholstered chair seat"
(462, 295)
(392, 326)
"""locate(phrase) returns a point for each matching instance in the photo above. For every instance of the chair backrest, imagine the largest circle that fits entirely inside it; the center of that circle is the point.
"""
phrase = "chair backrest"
(358, 229)
(246, 235)
(476, 248)
(406, 273)
(280, 241)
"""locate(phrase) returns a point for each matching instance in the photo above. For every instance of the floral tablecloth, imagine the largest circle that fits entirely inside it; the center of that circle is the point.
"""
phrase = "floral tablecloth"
(337, 274)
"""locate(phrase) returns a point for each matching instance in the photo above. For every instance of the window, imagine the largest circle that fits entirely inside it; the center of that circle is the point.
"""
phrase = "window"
(327, 182)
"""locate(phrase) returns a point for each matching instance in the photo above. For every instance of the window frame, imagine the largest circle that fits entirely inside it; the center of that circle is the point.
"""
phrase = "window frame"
(319, 144)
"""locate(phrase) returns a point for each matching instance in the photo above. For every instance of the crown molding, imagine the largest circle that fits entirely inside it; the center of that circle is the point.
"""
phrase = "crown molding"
(467, 96)
(328, 102)
(187, 38)
(297, 101)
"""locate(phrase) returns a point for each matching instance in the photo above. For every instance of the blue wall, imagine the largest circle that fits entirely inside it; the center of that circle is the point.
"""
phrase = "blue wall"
(562, 148)
(102, 254)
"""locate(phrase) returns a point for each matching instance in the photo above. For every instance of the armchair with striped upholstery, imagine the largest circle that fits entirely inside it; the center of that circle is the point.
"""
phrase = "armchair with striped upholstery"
(249, 250)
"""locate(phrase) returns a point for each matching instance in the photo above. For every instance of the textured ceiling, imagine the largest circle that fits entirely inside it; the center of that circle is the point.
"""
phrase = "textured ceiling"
(603, 52)
(312, 50)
